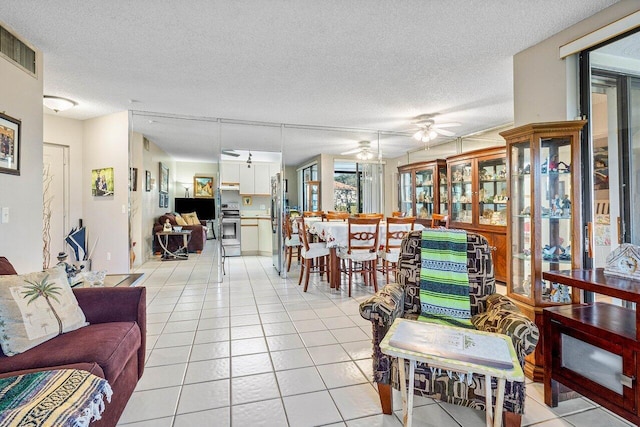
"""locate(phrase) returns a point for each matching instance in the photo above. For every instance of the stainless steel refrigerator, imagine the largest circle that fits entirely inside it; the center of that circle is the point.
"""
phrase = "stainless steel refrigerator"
(276, 222)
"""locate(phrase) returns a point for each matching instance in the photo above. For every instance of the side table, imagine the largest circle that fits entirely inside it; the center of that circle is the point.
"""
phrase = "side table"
(467, 351)
(181, 252)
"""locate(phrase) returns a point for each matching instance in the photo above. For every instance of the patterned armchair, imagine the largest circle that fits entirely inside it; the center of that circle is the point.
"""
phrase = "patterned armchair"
(491, 312)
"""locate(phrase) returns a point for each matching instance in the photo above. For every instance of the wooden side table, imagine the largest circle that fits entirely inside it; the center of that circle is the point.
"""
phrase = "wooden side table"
(467, 351)
(181, 252)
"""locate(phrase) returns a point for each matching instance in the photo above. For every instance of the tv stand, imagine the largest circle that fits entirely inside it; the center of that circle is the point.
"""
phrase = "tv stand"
(594, 349)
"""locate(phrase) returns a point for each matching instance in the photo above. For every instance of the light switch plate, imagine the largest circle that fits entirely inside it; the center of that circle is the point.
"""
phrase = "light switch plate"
(5, 215)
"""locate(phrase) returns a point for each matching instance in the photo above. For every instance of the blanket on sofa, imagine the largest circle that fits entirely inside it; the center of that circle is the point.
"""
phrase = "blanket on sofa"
(67, 397)
(444, 282)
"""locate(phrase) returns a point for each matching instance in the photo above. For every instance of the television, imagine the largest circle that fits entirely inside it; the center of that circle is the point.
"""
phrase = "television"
(204, 208)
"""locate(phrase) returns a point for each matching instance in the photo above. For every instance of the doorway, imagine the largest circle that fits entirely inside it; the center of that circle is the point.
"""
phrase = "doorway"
(55, 190)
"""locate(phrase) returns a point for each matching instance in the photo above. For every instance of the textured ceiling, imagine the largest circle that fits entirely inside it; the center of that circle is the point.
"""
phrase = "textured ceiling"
(357, 64)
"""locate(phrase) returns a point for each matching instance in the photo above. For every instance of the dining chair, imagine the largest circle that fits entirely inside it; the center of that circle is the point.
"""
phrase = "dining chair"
(390, 252)
(398, 214)
(370, 215)
(439, 220)
(361, 253)
(335, 216)
(315, 256)
(291, 242)
(313, 214)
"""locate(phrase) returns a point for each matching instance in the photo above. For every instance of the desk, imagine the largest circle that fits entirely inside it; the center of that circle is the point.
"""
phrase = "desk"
(455, 349)
(335, 234)
(594, 349)
(181, 252)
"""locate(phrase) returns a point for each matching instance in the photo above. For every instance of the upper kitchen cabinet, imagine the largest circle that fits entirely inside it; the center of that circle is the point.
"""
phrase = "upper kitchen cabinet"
(229, 173)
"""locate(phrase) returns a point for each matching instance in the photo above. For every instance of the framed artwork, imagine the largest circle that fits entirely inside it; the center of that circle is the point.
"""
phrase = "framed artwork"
(147, 180)
(164, 178)
(203, 186)
(9, 145)
(161, 200)
(102, 182)
(133, 179)
(166, 200)
(246, 201)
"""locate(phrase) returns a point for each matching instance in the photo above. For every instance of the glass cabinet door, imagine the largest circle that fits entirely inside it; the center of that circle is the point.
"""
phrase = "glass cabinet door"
(521, 202)
(443, 190)
(492, 191)
(461, 193)
(405, 194)
(424, 193)
(555, 214)
(313, 195)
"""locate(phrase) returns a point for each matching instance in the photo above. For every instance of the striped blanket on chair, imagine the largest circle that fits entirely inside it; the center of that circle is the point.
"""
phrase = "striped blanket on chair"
(444, 283)
(66, 397)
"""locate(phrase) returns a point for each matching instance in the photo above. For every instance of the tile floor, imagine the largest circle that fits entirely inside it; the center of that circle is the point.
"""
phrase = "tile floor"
(256, 350)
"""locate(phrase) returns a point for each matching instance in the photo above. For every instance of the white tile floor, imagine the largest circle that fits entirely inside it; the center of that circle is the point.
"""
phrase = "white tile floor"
(256, 350)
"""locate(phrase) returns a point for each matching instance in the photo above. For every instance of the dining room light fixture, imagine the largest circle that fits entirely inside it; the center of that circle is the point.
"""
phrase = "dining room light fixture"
(57, 103)
(365, 155)
(428, 130)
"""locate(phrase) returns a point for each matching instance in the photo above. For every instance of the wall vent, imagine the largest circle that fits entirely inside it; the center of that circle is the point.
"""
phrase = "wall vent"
(16, 51)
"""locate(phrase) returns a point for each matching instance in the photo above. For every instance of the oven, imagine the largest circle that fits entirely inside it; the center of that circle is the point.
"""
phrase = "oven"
(231, 228)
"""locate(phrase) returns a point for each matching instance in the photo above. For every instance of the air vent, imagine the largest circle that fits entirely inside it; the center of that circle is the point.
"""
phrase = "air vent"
(17, 51)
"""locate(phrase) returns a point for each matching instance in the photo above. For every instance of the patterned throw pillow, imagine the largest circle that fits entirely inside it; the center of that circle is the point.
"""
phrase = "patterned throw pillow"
(180, 220)
(36, 307)
(191, 218)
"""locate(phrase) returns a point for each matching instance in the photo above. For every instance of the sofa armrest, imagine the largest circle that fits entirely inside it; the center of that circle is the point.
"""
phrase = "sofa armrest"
(385, 306)
(503, 317)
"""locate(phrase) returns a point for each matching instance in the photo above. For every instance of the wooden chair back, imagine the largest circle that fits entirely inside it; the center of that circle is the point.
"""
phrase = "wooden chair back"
(312, 214)
(363, 239)
(303, 233)
(370, 215)
(335, 216)
(288, 228)
(439, 220)
(394, 237)
(398, 214)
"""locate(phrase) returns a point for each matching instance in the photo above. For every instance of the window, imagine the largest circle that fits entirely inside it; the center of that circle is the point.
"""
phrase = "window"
(310, 173)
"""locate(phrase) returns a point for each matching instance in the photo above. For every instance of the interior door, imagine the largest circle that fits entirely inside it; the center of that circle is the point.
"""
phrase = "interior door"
(55, 196)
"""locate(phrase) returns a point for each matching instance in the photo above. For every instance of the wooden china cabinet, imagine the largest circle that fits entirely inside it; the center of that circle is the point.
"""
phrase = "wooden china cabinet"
(423, 190)
(544, 219)
(478, 199)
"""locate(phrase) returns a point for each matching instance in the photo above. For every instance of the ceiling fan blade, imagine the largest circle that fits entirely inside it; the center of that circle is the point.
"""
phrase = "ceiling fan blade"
(446, 125)
(230, 153)
(444, 132)
(354, 151)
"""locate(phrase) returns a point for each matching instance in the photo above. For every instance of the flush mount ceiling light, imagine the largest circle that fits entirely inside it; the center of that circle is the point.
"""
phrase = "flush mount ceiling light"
(57, 103)
(429, 130)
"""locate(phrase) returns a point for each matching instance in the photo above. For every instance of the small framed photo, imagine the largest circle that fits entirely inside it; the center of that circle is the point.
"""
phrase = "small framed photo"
(147, 180)
(9, 145)
(166, 200)
(203, 186)
(161, 200)
(246, 201)
(164, 178)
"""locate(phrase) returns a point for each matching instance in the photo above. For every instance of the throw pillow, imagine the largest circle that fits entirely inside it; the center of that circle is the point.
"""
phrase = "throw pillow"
(180, 220)
(191, 218)
(5, 267)
(36, 307)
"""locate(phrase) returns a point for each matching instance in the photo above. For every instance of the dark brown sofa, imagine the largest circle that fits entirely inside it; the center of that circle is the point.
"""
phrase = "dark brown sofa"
(198, 235)
(112, 346)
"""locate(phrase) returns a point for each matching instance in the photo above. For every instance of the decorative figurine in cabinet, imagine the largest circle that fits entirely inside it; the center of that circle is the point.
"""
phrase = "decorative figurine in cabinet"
(421, 189)
(478, 199)
(544, 229)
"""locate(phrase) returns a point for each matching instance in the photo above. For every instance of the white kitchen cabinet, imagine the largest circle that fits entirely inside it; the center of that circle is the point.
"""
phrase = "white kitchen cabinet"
(229, 173)
(249, 240)
(265, 236)
(247, 180)
(261, 179)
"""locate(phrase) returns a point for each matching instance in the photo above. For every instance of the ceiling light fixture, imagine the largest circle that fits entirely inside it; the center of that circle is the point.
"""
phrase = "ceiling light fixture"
(57, 103)
(249, 160)
(429, 130)
(365, 155)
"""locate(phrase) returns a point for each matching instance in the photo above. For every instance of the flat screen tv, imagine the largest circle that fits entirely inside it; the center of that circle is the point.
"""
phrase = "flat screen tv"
(204, 208)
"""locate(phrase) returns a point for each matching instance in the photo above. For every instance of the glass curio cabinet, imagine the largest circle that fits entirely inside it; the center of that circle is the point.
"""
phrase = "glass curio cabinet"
(544, 229)
(422, 186)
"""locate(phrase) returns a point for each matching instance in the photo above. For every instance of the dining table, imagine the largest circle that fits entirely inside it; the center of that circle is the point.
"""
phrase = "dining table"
(336, 233)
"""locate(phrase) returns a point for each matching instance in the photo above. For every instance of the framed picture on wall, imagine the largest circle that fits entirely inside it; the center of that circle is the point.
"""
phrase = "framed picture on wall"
(164, 178)
(9, 145)
(133, 179)
(102, 182)
(161, 200)
(166, 200)
(147, 180)
(203, 186)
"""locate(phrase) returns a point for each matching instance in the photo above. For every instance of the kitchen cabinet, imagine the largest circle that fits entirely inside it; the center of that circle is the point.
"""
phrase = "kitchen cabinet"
(478, 199)
(256, 180)
(265, 237)
(544, 228)
(249, 242)
(229, 173)
(423, 190)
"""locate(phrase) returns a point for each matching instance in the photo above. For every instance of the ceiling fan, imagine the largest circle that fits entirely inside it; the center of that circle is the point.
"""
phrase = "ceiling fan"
(231, 153)
(363, 151)
(428, 130)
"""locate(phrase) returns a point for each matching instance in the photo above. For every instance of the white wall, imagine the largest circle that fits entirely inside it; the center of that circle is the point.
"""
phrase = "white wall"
(68, 132)
(106, 144)
(137, 199)
(21, 238)
(185, 171)
(545, 86)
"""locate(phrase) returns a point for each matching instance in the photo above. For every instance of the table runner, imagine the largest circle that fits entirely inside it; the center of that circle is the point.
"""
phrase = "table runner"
(444, 282)
(67, 397)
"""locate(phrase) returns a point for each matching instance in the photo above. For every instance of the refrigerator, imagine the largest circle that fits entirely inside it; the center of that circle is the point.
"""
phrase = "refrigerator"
(276, 222)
